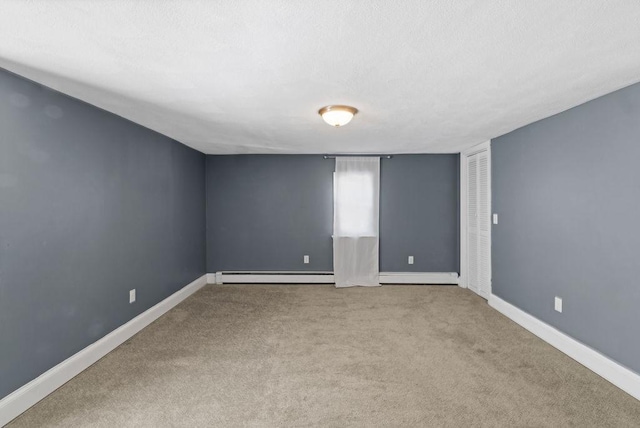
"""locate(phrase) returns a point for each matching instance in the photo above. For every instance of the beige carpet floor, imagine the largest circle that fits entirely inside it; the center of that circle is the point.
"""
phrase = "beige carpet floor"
(309, 355)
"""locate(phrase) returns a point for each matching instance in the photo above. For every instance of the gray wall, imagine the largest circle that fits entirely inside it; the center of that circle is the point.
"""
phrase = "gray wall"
(567, 191)
(91, 205)
(419, 213)
(265, 212)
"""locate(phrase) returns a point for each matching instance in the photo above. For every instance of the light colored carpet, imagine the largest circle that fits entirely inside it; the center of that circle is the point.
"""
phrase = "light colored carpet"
(309, 355)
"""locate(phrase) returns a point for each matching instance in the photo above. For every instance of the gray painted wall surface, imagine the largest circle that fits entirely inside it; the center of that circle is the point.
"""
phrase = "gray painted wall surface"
(91, 206)
(567, 191)
(265, 212)
(419, 213)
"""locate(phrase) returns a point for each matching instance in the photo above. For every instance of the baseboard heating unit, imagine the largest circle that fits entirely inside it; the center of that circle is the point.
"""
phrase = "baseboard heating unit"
(270, 277)
(292, 277)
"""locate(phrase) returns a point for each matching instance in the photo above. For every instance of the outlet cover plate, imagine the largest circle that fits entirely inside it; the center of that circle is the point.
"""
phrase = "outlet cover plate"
(558, 304)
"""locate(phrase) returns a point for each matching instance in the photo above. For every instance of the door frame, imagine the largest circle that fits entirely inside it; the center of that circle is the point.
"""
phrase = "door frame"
(464, 190)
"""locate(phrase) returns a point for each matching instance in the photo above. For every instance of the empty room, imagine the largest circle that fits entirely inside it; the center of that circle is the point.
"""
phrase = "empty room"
(329, 214)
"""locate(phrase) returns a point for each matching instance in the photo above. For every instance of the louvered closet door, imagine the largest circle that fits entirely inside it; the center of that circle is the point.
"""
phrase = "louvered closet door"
(478, 224)
(484, 225)
(472, 223)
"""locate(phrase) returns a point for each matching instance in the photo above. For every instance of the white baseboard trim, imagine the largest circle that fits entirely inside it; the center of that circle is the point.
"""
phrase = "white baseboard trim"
(620, 376)
(418, 278)
(20, 400)
(462, 282)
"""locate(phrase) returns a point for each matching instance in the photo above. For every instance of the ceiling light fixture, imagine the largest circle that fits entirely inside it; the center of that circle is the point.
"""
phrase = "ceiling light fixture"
(337, 115)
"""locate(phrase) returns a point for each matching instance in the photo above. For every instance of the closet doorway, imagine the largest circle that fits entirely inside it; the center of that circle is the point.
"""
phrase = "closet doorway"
(476, 219)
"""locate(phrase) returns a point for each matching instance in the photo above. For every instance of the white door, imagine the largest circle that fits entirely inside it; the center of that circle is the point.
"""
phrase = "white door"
(479, 223)
(472, 223)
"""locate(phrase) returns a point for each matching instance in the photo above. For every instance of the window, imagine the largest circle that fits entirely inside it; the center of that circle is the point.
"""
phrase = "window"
(354, 203)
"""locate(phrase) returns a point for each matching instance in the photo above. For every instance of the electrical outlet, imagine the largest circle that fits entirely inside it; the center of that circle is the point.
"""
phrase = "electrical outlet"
(306, 259)
(558, 304)
(495, 219)
(410, 260)
(132, 295)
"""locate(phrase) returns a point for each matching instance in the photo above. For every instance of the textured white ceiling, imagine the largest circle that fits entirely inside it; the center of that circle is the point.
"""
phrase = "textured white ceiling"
(249, 76)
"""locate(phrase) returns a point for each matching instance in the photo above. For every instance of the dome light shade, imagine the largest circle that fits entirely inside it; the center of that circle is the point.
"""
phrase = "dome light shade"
(337, 115)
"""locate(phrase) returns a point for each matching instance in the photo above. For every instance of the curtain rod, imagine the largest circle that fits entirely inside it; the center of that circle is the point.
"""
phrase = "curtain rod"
(373, 156)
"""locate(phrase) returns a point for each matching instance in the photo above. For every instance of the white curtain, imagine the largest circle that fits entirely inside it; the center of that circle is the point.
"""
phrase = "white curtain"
(356, 193)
